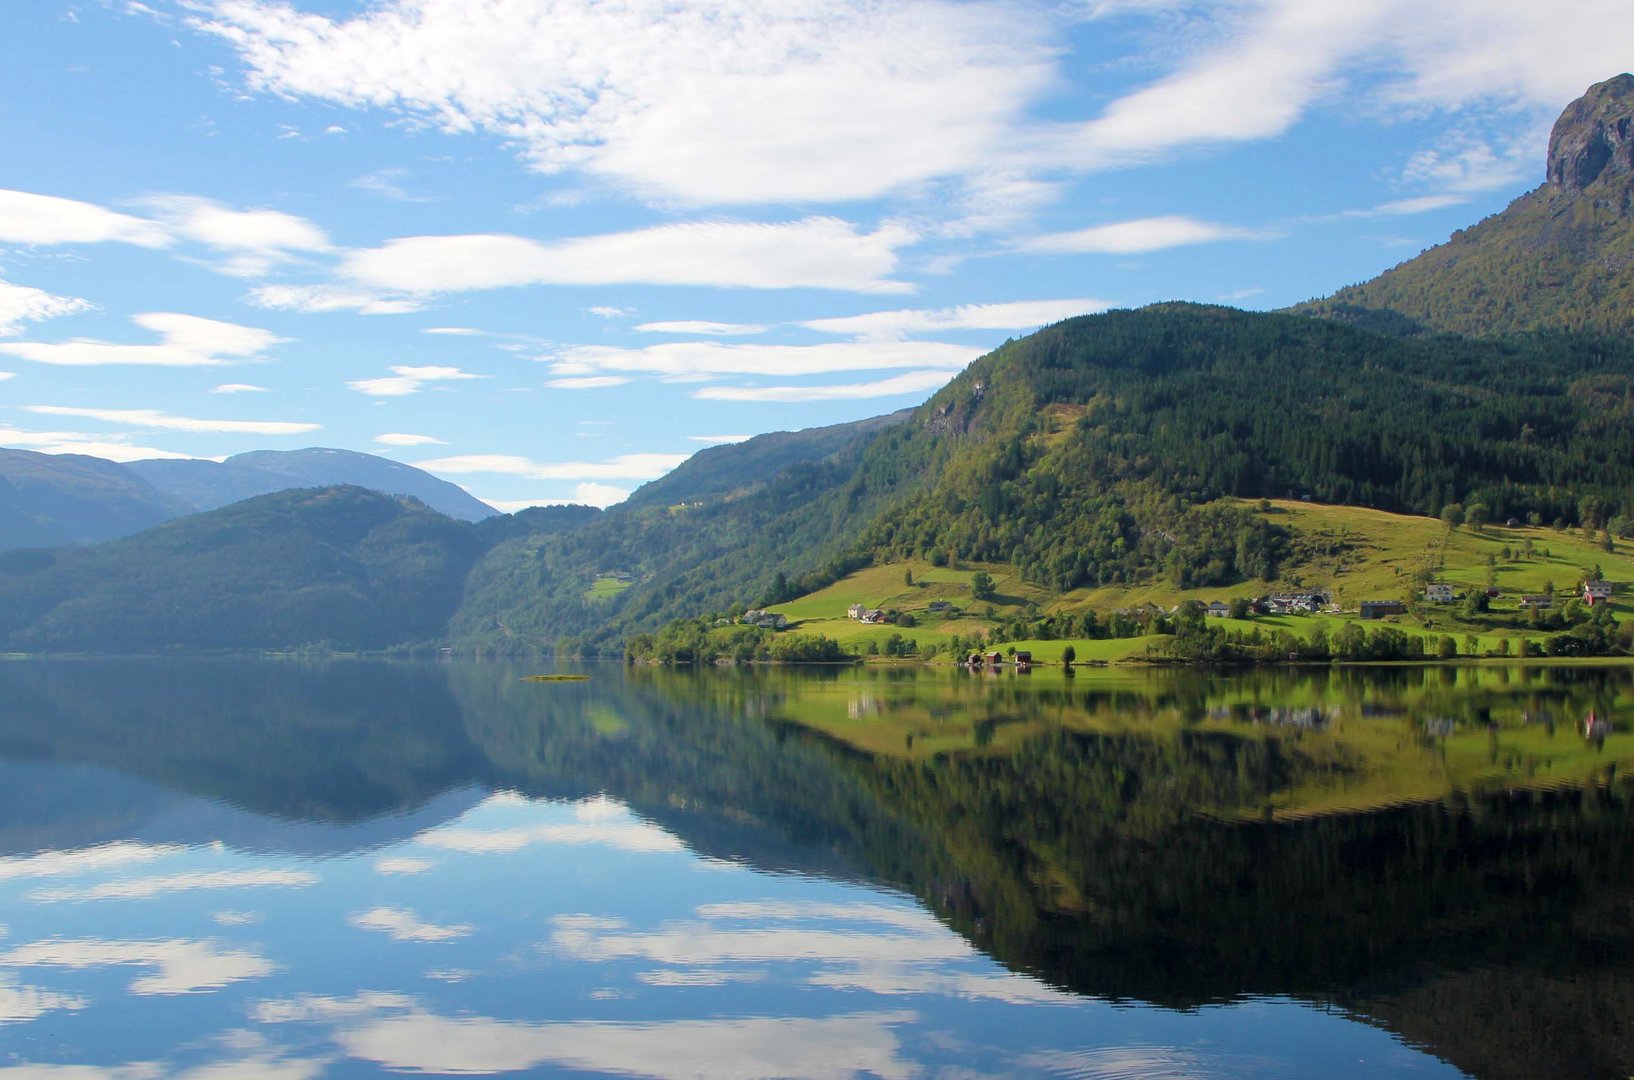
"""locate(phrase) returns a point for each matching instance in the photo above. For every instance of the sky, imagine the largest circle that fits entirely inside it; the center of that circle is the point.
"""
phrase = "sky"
(548, 249)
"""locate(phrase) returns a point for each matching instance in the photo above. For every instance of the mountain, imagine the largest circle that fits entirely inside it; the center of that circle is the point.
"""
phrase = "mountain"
(205, 485)
(735, 468)
(52, 499)
(1560, 257)
(47, 500)
(1096, 451)
(341, 566)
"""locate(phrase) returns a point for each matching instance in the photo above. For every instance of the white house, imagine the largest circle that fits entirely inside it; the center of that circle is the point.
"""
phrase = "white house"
(1438, 593)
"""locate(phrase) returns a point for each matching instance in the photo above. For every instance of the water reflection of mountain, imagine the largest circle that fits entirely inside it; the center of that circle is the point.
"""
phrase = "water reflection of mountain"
(1166, 837)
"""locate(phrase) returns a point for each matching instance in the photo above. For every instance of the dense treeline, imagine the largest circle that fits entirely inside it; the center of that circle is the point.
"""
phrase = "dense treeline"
(1095, 452)
(337, 567)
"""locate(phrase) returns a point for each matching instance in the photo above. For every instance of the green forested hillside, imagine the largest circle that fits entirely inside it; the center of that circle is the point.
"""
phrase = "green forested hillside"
(1091, 452)
(341, 566)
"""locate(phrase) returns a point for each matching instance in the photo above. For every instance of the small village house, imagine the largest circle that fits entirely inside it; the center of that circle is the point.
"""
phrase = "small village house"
(1537, 601)
(1378, 609)
(1439, 592)
(1596, 592)
(1217, 609)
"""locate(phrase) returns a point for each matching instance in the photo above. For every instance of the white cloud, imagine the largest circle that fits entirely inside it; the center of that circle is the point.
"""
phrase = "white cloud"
(623, 467)
(814, 102)
(409, 380)
(454, 331)
(1464, 161)
(153, 419)
(4, 375)
(602, 495)
(185, 341)
(400, 439)
(235, 918)
(1268, 61)
(403, 925)
(312, 1008)
(387, 183)
(712, 358)
(825, 1048)
(605, 312)
(720, 440)
(26, 218)
(77, 442)
(238, 388)
(402, 865)
(82, 860)
(916, 382)
(873, 947)
(709, 104)
(700, 326)
(20, 1003)
(598, 820)
(21, 304)
(319, 299)
(253, 241)
(159, 885)
(588, 382)
(1016, 315)
(1419, 205)
(1137, 237)
(180, 966)
(817, 252)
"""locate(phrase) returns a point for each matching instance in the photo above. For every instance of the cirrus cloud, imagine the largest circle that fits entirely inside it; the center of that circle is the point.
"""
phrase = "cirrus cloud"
(623, 467)
(153, 419)
(706, 104)
(27, 218)
(397, 438)
(700, 326)
(184, 341)
(1137, 237)
(1016, 315)
(688, 359)
(916, 382)
(817, 252)
(21, 304)
(409, 380)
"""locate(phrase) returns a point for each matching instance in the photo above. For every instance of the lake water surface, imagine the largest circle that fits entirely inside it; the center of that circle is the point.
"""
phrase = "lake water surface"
(222, 869)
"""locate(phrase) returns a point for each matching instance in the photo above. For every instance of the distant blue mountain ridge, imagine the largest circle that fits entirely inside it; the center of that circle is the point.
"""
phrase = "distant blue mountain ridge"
(52, 499)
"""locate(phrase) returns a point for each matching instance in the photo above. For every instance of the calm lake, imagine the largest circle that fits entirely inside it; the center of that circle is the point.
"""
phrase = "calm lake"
(256, 868)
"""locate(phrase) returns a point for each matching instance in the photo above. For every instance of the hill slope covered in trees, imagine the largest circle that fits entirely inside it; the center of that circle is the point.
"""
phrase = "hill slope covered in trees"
(1093, 451)
(341, 566)
(1560, 257)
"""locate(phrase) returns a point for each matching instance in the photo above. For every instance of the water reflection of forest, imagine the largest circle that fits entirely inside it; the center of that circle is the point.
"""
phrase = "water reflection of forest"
(1442, 851)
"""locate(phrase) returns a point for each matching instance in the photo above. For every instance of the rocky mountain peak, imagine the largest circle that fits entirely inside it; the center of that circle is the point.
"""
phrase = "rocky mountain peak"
(1594, 137)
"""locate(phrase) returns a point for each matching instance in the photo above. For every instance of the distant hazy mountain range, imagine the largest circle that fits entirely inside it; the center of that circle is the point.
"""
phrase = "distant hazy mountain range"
(52, 499)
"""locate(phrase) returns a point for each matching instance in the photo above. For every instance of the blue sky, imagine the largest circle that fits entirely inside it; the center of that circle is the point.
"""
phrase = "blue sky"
(548, 248)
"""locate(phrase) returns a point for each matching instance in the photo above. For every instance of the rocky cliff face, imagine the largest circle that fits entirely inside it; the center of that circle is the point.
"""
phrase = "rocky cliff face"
(1594, 137)
(1560, 257)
